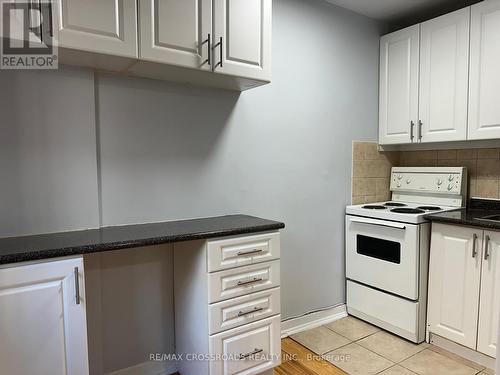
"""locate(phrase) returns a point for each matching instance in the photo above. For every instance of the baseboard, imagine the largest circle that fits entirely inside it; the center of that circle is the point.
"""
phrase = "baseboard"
(462, 351)
(313, 320)
(147, 368)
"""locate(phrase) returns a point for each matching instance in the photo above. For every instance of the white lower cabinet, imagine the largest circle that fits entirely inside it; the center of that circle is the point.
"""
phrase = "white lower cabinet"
(464, 286)
(231, 315)
(43, 327)
(249, 349)
(490, 295)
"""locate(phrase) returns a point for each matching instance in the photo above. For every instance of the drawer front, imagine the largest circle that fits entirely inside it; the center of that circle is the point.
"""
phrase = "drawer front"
(243, 310)
(242, 251)
(250, 349)
(243, 280)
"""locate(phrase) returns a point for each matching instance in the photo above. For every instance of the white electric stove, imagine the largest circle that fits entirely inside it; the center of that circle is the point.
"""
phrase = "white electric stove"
(387, 248)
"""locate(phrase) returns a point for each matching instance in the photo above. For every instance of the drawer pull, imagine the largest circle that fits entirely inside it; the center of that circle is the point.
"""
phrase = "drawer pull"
(254, 280)
(254, 251)
(256, 309)
(256, 351)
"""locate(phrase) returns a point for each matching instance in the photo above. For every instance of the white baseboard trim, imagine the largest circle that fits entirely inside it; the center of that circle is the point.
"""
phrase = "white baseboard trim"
(147, 368)
(462, 351)
(313, 320)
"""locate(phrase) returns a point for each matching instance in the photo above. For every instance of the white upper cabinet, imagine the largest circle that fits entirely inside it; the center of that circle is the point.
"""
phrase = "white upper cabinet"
(399, 62)
(489, 308)
(444, 75)
(99, 26)
(242, 38)
(484, 108)
(454, 283)
(42, 321)
(176, 32)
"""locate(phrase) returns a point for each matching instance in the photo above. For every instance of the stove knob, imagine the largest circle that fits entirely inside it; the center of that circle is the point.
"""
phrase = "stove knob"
(400, 177)
(440, 182)
(450, 177)
(450, 186)
(408, 181)
(399, 184)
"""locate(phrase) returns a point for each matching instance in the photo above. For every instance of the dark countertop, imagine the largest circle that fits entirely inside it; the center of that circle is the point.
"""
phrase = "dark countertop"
(477, 208)
(27, 248)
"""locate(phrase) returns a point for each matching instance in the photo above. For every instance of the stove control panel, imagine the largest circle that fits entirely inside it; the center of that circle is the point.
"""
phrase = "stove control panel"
(437, 180)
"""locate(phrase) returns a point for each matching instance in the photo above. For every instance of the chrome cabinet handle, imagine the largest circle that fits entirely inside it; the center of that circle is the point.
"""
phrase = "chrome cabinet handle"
(254, 251)
(51, 26)
(254, 280)
(256, 309)
(256, 351)
(412, 126)
(486, 247)
(420, 130)
(220, 53)
(208, 61)
(77, 286)
(474, 241)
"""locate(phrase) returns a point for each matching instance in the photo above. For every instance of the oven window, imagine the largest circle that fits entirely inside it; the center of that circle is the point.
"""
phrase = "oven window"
(389, 251)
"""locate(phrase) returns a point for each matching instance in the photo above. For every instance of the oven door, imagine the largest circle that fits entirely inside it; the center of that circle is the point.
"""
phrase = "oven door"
(383, 254)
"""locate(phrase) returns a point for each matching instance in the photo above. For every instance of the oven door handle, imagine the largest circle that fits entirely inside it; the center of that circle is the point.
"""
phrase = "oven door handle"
(378, 222)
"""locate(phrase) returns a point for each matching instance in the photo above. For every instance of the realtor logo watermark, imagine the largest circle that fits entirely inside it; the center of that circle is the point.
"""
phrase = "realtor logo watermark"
(28, 40)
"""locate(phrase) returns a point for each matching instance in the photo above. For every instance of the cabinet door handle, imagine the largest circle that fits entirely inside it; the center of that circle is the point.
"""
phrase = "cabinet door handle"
(474, 242)
(208, 61)
(220, 53)
(77, 286)
(254, 280)
(254, 251)
(256, 309)
(412, 126)
(51, 26)
(256, 351)
(486, 247)
(420, 130)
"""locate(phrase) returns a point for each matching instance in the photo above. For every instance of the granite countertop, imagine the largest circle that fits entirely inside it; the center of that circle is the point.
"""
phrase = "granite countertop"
(476, 209)
(28, 248)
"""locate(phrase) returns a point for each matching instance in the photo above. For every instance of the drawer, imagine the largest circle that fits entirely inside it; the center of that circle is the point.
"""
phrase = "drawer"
(243, 310)
(234, 349)
(239, 281)
(242, 251)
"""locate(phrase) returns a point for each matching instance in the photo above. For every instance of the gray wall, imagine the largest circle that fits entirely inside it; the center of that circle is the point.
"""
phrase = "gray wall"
(168, 151)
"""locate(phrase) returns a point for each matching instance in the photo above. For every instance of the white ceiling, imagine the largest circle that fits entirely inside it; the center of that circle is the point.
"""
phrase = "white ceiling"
(387, 10)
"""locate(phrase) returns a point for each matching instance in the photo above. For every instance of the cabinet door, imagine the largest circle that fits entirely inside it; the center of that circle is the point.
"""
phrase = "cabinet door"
(399, 61)
(101, 26)
(490, 295)
(444, 78)
(176, 32)
(42, 328)
(242, 44)
(454, 278)
(484, 111)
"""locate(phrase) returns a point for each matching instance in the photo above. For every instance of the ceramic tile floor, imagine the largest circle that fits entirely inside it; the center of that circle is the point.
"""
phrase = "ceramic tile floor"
(359, 348)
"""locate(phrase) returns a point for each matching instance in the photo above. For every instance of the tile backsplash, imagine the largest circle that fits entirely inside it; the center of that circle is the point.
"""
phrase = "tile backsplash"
(371, 169)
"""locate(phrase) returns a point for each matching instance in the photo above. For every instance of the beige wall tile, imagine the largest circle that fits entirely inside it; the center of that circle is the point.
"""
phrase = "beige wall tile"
(363, 186)
(488, 168)
(467, 154)
(358, 200)
(358, 152)
(488, 153)
(447, 155)
(471, 166)
(371, 152)
(371, 199)
(382, 185)
(487, 189)
(472, 189)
